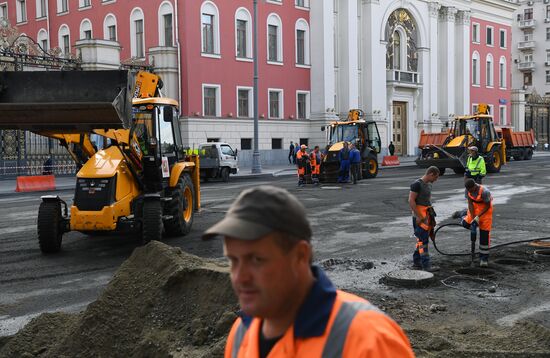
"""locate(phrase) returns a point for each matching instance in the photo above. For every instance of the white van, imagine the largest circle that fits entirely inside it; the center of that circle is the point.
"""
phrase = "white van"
(217, 160)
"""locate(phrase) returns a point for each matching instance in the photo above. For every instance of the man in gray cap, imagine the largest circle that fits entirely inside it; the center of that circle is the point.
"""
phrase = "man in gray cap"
(289, 307)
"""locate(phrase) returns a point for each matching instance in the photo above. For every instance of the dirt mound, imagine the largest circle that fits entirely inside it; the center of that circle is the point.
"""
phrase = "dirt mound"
(162, 302)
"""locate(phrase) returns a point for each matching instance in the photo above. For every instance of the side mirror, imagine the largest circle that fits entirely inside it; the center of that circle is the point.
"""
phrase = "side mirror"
(168, 114)
(236, 151)
(322, 128)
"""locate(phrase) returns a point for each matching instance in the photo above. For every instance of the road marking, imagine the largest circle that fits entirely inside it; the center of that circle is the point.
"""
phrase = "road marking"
(331, 187)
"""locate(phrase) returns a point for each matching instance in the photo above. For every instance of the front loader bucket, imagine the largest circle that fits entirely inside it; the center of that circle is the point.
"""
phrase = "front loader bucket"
(65, 101)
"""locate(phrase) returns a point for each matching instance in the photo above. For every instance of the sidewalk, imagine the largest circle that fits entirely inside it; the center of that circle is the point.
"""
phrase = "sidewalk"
(7, 186)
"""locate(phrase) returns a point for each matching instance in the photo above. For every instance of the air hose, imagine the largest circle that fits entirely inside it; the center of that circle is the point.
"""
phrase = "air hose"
(491, 248)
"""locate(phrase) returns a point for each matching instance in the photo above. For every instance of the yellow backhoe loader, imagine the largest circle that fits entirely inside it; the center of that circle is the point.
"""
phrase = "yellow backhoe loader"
(143, 181)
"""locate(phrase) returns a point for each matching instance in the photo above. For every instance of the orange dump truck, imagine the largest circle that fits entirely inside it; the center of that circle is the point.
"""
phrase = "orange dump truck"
(519, 145)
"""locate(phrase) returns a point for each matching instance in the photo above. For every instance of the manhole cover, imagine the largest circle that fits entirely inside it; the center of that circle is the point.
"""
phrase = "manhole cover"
(540, 243)
(476, 271)
(346, 264)
(512, 261)
(481, 287)
(542, 255)
(409, 278)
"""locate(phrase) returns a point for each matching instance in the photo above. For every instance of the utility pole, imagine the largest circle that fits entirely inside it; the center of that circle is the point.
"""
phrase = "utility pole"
(256, 165)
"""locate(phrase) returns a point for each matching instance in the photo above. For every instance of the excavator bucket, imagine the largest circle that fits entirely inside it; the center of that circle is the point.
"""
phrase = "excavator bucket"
(66, 101)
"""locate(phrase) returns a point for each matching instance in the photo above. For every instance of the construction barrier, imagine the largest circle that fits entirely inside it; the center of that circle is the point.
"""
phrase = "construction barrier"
(390, 160)
(35, 183)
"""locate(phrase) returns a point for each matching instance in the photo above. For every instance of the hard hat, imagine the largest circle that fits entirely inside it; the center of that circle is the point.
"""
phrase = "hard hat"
(473, 147)
(303, 146)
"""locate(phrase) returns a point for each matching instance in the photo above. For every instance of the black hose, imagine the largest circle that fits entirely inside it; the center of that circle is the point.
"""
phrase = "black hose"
(491, 248)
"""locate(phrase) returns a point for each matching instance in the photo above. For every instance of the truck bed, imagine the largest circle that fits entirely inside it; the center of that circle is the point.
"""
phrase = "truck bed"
(432, 138)
(518, 139)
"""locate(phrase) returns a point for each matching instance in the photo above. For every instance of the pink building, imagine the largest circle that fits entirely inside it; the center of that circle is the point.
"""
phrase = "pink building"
(202, 49)
(491, 77)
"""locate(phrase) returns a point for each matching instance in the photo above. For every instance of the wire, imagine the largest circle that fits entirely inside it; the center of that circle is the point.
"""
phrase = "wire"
(491, 248)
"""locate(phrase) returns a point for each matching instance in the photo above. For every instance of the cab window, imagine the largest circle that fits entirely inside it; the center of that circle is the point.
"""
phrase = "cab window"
(227, 150)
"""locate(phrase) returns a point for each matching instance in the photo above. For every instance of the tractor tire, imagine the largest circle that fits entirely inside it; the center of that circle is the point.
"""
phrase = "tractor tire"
(225, 174)
(527, 154)
(181, 208)
(371, 167)
(151, 221)
(49, 224)
(459, 171)
(441, 171)
(494, 160)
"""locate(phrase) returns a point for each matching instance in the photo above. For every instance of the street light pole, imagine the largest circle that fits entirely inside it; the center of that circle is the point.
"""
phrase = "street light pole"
(256, 166)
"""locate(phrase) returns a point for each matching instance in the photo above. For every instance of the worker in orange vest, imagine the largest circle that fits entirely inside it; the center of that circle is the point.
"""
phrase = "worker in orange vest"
(315, 161)
(480, 214)
(289, 307)
(302, 160)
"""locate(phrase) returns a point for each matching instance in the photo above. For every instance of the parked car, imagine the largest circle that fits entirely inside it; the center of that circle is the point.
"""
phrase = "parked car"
(217, 161)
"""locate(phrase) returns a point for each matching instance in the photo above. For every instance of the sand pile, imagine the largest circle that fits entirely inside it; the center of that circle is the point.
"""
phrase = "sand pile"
(162, 302)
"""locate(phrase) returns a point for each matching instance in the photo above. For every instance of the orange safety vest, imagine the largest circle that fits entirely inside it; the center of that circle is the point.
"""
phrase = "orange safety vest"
(315, 167)
(486, 220)
(301, 163)
(355, 328)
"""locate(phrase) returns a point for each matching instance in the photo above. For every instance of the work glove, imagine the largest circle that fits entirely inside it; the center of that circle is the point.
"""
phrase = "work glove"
(476, 219)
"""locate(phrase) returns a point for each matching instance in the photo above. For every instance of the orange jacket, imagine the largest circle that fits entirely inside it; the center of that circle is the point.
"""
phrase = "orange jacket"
(330, 323)
(428, 224)
(486, 220)
(315, 164)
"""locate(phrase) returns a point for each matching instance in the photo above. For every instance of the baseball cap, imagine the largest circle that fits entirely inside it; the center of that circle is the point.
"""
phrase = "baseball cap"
(303, 146)
(473, 147)
(261, 210)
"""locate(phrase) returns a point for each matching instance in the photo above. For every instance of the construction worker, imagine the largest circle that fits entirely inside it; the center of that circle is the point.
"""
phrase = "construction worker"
(480, 214)
(315, 162)
(420, 202)
(290, 308)
(302, 160)
(343, 157)
(355, 162)
(475, 165)
(291, 157)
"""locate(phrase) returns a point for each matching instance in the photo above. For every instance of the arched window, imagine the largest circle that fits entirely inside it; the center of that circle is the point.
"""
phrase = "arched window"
(475, 68)
(42, 39)
(401, 35)
(243, 33)
(302, 42)
(502, 72)
(110, 28)
(137, 34)
(274, 38)
(85, 30)
(166, 24)
(64, 39)
(210, 29)
(489, 71)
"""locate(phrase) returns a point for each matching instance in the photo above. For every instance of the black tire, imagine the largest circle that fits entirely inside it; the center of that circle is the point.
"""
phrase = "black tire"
(182, 217)
(459, 171)
(225, 174)
(441, 171)
(49, 225)
(518, 156)
(527, 154)
(151, 221)
(371, 167)
(493, 161)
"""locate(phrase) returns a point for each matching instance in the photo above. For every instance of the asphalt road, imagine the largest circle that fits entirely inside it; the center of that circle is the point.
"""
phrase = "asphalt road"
(369, 221)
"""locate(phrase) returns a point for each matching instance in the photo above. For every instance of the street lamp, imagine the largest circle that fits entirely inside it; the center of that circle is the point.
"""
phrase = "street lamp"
(256, 165)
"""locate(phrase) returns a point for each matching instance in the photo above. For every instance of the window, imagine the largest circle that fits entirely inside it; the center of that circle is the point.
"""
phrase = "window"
(489, 36)
(85, 30)
(276, 143)
(40, 9)
(474, 108)
(475, 33)
(502, 72)
(502, 38)
(84, 3)
(243, 34)
(304, 4)
(548, 11)
(227, 150)
(528, 14)
(3, 11)
(62, 6)
(304, 141)
(527, 79)
(548, 56)
(302, 42)
(547, 33)
(21, 11)
(528, 57)
(274, 39)
(246, 143)
(547, 76)
(137, 36)
(64, 40)
(302, 105)
(42, 39)
(502, 115)
(211, 100)
(109, 28)
(489, 71)
(475, 69)
(166, 24)
(528, 35)
(210, 29)
(213, 140)
(244, 102)
(275, 103)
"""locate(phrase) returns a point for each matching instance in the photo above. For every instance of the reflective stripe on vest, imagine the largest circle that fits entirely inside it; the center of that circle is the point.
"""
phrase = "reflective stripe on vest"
(475, 170)
(334, 346)
(239, 336)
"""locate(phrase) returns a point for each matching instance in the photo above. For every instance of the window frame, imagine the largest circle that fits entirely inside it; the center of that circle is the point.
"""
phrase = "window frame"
(42, 36)
(106, 25)
(502, 73)
(41, 9)
(489, 72)
(280, 108)
(242, 14)
(209, 8)
(60, 39)
(306, 5)
(250, 101)
(4, 8)
(302, 25)
(137, 15)
(62, 7)
(307, 104)
(503, 34)
(476, 73)
(275, 20)
(477, 38)
(21, 14)
(502, 114)
(83, 29)
(218, 89)
(82, 4)
(492, 44)
(164, 9)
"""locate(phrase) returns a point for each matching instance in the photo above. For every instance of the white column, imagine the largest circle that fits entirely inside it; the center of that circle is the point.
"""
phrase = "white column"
(518, 109)
(447, 62)
(430, 65)
(462, 73)
(348, 86)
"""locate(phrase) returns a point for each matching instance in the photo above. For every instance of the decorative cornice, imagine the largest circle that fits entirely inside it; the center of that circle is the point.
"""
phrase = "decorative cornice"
(463, 17)
(376, 2)
(447, 13)
(434, 9)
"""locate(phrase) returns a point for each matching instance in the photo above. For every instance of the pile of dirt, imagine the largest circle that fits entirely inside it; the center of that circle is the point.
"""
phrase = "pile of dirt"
(162, 302)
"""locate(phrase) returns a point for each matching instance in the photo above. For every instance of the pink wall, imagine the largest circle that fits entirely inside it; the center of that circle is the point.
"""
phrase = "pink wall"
(482, 93)
(196, 69)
